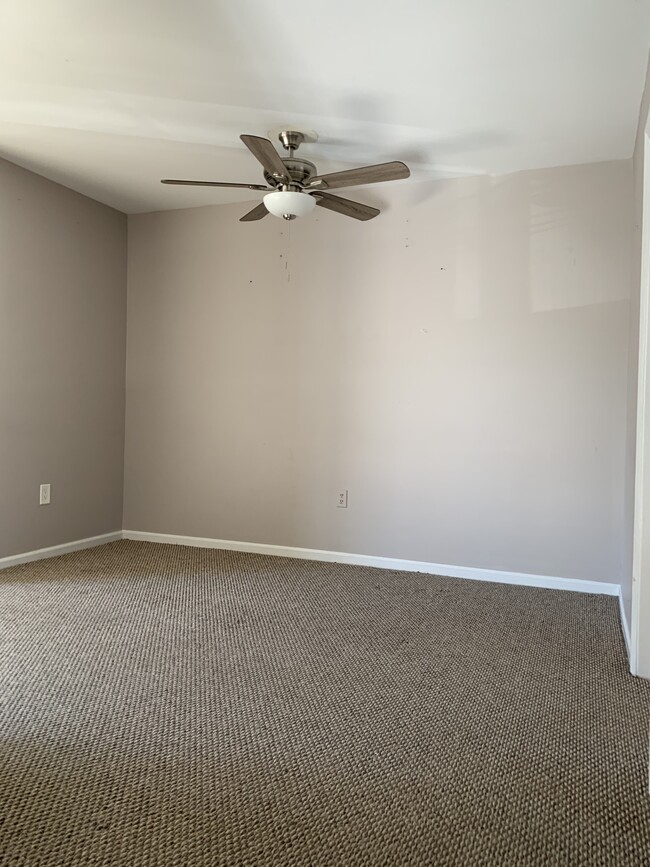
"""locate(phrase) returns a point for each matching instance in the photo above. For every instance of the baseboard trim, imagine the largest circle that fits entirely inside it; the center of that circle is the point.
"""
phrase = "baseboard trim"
(521, 578)
(56, 550)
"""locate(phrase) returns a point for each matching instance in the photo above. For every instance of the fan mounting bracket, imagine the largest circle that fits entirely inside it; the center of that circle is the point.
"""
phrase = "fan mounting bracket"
(291, 140)
(291, 137)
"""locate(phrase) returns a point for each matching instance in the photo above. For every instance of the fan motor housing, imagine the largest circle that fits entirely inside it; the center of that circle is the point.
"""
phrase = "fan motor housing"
(299, 170)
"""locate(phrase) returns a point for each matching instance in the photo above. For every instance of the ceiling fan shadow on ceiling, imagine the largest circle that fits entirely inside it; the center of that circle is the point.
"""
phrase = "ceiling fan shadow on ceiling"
(293, 186)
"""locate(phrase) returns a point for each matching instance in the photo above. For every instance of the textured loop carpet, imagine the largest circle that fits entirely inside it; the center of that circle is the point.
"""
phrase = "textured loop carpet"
(173, 706)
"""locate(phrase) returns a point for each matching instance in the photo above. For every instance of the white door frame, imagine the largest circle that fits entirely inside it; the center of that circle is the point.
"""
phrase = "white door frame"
(640, 625)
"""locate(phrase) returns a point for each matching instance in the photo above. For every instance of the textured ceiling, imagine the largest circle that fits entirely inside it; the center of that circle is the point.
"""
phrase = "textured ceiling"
(107, 98)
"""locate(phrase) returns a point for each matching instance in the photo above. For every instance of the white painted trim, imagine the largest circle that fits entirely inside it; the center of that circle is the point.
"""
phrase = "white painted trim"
(625, 627)
(521, 578)
(641, 539)
(56, 550)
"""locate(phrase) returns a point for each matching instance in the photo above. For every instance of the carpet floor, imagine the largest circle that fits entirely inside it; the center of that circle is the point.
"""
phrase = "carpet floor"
(178, 707)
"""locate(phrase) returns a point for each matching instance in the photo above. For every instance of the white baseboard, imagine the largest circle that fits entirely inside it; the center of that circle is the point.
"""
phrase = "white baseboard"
(56, 550)
(469, 572)
(521, 578)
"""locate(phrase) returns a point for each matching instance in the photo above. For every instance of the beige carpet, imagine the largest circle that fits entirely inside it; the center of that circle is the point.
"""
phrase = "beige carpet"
(172, 706)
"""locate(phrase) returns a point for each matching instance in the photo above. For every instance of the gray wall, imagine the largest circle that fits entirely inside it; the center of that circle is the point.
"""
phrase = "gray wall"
(62, 346)
(459, 364)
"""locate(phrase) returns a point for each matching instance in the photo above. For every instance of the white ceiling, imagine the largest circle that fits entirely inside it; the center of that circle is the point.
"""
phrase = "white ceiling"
(108, 97)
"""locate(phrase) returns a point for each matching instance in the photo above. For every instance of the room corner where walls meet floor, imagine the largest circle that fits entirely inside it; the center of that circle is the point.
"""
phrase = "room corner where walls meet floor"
(343, 558)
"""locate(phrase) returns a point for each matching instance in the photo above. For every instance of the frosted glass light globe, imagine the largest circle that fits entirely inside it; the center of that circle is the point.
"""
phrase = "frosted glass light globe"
(288, 204)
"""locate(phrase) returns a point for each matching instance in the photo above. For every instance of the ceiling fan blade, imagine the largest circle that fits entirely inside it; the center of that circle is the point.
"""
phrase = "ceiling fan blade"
(345, 206)
(365, 175)
(215, 184)
(257, 213)
(263, 150)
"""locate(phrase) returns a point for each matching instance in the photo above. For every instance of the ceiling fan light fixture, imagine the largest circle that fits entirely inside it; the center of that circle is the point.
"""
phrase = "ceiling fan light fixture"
(289, 204)
(293, 185)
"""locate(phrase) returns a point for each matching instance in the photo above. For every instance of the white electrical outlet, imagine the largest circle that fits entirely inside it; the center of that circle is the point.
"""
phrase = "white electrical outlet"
(342, 499)
(45, 495)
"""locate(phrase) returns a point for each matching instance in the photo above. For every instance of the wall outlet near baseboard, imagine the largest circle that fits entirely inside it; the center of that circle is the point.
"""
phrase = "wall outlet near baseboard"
(342, 499)
(45, 495)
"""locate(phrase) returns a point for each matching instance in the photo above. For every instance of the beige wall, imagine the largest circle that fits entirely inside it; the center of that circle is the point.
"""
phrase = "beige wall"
(62, 343)
(459, 364)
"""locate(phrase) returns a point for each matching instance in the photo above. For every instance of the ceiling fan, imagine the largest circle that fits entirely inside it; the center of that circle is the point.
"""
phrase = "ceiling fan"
(294, 187)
